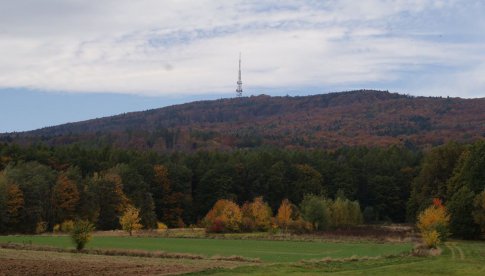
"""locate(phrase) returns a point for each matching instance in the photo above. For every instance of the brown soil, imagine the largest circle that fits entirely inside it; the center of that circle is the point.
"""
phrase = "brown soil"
(27, 262)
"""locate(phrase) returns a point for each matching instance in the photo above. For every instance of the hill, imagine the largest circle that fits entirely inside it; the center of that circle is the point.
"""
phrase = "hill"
(364, 117)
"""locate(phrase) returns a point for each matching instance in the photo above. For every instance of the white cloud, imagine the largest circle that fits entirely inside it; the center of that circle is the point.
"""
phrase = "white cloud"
(191, 47)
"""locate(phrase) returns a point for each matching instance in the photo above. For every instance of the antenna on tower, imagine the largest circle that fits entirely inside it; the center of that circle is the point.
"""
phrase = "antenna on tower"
(239, 82)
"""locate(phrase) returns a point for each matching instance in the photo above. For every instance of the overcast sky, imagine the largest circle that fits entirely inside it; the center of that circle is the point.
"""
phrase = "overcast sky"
(189, 49)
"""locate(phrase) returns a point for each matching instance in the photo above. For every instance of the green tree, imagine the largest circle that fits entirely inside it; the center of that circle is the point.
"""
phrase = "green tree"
(461, 207)
(111, 200)
(436, 170)
(479, 210)
(36, 182)
(82, 233)
(314, 210)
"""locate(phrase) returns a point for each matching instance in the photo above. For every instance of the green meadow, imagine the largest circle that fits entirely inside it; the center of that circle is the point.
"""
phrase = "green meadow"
(266, 250)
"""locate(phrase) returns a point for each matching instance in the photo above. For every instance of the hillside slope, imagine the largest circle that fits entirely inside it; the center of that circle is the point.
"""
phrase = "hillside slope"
(364, 117)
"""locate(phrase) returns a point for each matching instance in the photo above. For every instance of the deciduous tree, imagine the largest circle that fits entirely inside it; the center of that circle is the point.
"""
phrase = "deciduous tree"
(224, 216)
(130, 220)
(283, 216)
(65, 198)
(433, 219)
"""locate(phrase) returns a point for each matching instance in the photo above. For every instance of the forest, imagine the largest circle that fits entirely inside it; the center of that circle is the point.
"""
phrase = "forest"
(48, 185)
(326, 121)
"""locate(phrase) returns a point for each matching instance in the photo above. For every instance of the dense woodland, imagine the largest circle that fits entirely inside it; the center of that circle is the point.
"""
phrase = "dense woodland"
(328, 121)
(43, 184)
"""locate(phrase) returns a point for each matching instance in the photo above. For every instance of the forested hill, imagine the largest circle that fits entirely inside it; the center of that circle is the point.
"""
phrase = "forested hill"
(364, 117)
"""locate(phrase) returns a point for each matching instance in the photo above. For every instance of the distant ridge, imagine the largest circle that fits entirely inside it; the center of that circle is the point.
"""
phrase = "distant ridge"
(353, 118)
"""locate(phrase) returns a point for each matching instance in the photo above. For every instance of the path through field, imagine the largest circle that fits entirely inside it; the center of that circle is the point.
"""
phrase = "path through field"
(456, 251)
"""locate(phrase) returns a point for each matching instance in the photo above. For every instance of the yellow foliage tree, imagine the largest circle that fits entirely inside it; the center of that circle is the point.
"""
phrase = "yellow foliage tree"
(225, 215)
(258, 214)
(434, 218)
(130, 220)
(283, 216)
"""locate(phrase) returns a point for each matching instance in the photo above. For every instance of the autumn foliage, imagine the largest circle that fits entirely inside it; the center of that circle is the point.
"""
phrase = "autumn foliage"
(225, 216)
(130, 220)
(14, 204)
(65, 198)
(433, 223)
(256, 215)
(283, 217)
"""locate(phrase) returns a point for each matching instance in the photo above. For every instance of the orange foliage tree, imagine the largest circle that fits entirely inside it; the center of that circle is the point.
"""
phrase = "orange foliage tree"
(434, 222)
(283, 216)
(225, 216)
(14, 204)
(170, 202)
(65, 198)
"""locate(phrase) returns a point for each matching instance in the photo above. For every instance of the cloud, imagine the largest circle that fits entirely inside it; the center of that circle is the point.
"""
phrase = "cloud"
(191, 47)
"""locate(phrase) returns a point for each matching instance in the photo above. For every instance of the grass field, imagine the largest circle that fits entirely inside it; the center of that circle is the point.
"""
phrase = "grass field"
(267, 251)
(458, 258)
(279, 257)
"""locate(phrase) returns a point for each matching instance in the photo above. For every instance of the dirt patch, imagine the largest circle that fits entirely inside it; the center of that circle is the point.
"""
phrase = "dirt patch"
(26, 262)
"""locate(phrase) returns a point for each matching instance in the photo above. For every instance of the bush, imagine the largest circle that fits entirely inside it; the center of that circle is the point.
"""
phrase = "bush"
(161, 226)
(81, 233)
(56, 228)
(300, 226)
(67, 226)
(431, 238)
(41, 227)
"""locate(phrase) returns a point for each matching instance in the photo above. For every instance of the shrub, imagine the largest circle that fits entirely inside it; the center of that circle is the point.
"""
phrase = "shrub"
(41, 227)
(431, 238)
(56, 228)
(300, 226)
(161, 226)
(67, 226)
(81, 233)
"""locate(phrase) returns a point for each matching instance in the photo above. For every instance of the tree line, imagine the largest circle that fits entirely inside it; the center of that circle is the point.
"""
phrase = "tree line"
(46, 186)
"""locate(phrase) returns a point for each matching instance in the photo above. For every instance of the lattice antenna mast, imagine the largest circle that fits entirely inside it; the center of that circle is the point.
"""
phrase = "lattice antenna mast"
(239, 82)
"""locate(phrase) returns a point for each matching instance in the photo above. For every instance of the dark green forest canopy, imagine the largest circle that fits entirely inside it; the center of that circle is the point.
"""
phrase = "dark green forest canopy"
(393, 183)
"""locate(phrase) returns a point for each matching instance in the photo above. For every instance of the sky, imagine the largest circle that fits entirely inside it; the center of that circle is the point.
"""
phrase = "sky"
(70, 60)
